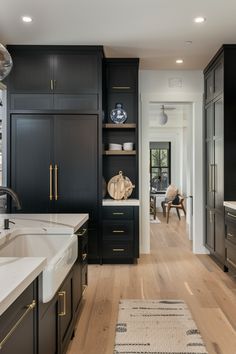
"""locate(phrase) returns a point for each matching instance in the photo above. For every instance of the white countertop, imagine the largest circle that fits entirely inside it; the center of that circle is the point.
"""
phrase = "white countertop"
(231, 205)
(123, 202)
(17, 273)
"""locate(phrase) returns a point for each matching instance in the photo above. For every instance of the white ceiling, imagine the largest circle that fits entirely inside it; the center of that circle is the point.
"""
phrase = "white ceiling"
(156, 31)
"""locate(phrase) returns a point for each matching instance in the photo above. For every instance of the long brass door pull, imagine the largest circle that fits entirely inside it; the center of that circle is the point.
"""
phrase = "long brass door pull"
(56, 181)
(50, 182)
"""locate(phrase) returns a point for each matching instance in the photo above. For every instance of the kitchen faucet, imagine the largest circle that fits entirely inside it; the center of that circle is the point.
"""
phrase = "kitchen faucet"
(14, 196)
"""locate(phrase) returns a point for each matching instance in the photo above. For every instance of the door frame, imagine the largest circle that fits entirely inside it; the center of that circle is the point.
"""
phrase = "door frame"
(3, 88)
(198, 227)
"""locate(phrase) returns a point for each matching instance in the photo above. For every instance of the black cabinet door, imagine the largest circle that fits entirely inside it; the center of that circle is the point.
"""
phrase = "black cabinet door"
(76, 152)
(220, 236)
(75, 73)
(31, 73)
(31, 156)
(219, 156)
(210, 197)
(210, 229)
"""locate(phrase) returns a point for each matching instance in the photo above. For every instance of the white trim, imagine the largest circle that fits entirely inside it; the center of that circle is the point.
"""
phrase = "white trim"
(198, 162)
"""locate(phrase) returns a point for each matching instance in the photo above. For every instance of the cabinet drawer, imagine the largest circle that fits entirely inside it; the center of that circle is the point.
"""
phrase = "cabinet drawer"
(31, 101)
(231, 254)
(76, 102)
(117, 249)
(116, 213)
(118, 230)
(231, 231)
(230, 216)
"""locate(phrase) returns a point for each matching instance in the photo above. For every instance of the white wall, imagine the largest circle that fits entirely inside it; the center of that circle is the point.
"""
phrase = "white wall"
(164, 87)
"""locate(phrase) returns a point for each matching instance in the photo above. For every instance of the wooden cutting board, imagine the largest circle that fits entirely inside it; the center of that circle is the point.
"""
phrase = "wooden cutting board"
(120, 187)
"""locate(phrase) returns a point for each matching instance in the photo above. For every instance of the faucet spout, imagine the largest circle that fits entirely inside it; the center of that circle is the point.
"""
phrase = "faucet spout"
(14, 196)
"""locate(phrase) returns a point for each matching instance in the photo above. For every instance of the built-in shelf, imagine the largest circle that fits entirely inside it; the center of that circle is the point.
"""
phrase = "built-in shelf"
(119, 152)
(119, 126)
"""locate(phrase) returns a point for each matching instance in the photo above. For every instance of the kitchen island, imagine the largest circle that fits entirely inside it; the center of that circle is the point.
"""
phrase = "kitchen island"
(22, 277)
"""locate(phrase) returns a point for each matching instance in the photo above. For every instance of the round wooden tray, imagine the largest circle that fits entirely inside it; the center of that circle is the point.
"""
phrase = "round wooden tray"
(120, 187)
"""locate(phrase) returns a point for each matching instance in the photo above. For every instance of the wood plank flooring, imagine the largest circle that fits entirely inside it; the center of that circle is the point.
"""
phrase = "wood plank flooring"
(171, 271)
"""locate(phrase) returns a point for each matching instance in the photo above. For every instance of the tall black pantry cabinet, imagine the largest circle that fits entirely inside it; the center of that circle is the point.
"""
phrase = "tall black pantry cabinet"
(220, 137)
(54, 131)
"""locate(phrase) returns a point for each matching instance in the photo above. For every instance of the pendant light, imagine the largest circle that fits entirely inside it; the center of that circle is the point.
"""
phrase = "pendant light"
(163, 117)
(5, 62)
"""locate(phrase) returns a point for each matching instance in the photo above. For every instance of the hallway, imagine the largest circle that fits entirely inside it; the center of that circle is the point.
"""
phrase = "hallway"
(171, 271)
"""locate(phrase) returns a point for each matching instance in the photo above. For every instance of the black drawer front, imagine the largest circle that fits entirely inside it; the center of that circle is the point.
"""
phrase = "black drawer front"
(118, 230)
(118, 213)
(84, 275)
(31, 101)
(230, 215)
(231, 231)
(117, 249)
(231, 254)
(81, 102)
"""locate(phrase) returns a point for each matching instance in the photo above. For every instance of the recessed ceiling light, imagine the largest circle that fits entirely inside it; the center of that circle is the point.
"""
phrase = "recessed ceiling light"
(26, 19)
(179, 61)
(199, 19)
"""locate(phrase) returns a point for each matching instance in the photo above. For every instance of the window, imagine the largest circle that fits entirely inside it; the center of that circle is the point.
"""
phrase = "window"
(159, 167)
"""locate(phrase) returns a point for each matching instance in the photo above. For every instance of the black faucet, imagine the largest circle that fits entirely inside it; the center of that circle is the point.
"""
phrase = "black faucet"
(9, 191)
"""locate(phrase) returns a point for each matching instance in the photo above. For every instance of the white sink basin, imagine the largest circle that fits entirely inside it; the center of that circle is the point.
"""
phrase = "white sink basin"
(61, 252)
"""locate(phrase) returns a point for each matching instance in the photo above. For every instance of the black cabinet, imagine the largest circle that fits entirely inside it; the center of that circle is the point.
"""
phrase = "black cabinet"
(119, 228)
(120, 234)
(220, 137)
(55, 78)
(18, 324)
(230, 238)
(54, 163)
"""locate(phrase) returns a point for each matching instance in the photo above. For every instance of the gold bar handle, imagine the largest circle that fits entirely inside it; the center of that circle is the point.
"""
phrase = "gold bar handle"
(50, 182)
(56, 182)
(12, 330)
(82, 232)
(233, 216)
(84, 256)
(117, 213)
(63, 295)
(51, 85)
(118, 249)
(118, 231)
(121, 87)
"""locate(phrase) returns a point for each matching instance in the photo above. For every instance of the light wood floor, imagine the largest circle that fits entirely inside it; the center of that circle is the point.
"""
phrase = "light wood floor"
(170, 271)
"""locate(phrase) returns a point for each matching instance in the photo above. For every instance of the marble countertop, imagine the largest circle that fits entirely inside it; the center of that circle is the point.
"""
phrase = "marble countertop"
(123, 202)
(17, 273)
(231, 205)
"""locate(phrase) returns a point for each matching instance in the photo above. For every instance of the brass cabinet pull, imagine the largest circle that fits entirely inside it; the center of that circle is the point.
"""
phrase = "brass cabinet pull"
(50, 182)
(117, 213)
(118, 249)
(56, 182)
(29, 308)
(229, 235)
(51, 85)
(118, 231)
(63, 295)
(121, 87)
(233, 216)
(84, 256)
(82, 232)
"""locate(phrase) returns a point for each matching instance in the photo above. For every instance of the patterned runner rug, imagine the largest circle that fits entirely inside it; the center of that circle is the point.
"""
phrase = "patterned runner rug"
(156, 327)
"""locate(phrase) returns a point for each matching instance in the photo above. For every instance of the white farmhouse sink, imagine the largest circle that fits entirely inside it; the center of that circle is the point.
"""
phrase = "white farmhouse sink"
(61, 252)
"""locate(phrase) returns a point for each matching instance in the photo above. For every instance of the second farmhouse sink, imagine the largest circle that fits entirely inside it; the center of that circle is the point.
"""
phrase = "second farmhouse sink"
(60, 250)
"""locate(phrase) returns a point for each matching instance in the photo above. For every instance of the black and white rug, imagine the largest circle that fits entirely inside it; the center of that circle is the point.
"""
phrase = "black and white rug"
(156, 327)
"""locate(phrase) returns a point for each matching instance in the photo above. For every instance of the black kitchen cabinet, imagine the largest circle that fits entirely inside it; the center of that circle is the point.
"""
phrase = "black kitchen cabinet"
(230, 238)
(55, 78)
(31, 158)
(120, 235)
(220, 136)
(54, 163)
(18, 329)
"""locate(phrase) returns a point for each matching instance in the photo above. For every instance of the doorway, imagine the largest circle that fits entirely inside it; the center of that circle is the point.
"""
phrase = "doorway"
(151, 131)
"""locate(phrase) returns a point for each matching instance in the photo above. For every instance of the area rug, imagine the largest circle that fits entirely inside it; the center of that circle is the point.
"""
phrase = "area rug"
(156, 327)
